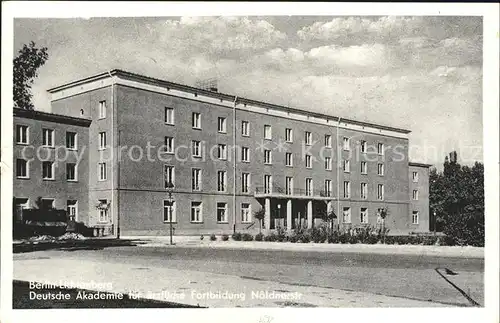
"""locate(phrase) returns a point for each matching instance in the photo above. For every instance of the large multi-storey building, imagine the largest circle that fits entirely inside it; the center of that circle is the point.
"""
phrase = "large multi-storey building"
(226, 157)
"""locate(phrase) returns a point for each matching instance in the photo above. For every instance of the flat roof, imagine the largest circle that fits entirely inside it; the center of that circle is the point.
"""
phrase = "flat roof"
(46, 116)
(218, 95)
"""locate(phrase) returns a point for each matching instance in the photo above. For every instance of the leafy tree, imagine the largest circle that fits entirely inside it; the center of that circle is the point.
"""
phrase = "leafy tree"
(259, 215)
(26, 65)
(456, 195)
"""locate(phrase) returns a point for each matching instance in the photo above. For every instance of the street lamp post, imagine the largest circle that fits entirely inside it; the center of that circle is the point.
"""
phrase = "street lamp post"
(434, 220)
(170, 190)
(279, 212)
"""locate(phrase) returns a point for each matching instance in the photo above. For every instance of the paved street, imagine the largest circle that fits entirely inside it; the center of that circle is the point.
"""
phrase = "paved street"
(404, 278)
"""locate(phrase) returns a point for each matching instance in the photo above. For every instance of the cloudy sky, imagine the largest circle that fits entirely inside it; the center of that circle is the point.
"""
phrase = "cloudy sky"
(419, 73)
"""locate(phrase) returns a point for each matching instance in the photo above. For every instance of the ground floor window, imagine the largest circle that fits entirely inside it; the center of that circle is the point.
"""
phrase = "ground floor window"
(346, 215)
(414, 217)
(246, 215)
(363, 215)
(103, 211)
(47, 203)
(221, 212)
(72, 209)
(169, 209)
(196, 212)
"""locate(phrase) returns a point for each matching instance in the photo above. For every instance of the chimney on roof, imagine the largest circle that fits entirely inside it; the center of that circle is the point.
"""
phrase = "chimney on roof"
(210, 84)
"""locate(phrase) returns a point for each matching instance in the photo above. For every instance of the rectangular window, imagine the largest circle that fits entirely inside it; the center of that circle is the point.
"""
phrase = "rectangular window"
(245, 182)
(22, 134)
(245, 128)
(328, 141)
(380, 148)
(347, 189)
(363, 146)
(267, 157)
(346, 215)
(196, 148)
(364, 168)
(221, 125)
(48, 137)
(169, 176)
(245, 156)
(289, 185)
(414, 217)
(328, 188)
(169, 145)
(308, 138)
(71, 172)
(328, 163)
(222, 152)
(71, 140)
(347, 166)
(22, 170)
(221, 181)
(288, 159)
(103, 211)
(380, 191)
(268, 185)
(380, 169)
(246, 213)
(47, 203)
(102, 171)
(196, 122)
(363, 215)
(364, 191)
(196, 212)
(169, 211)
(268, 132)
(308, 161)
(196, 179)
(48, 170)
(309, 186)
(346, 143)
(222, 212)
(288, 135)
(21, 203)
(102, 109)
(415, 195)
(72, 209)
(102, 140)
(415, 177)
(169, 116)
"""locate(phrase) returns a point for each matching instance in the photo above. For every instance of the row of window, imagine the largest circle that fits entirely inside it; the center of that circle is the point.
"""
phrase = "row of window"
(22, 137)
(71, 207)
(268, 160)
(48, 170)
(196, 215)
(169, 213)
(245, 131)
(363, 215)
(196, 184)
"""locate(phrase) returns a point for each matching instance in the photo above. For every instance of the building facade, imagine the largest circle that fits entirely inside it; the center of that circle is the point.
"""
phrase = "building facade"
(228, 157)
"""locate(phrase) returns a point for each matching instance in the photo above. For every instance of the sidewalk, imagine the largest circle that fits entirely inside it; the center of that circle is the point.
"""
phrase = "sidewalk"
(194, 288)
(194, 241)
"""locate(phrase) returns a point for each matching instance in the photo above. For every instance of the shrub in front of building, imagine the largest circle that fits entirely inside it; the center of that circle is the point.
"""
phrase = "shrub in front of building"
(225, 237)
(247, 237)
(213, 237)
(236, 236)
(259, 237)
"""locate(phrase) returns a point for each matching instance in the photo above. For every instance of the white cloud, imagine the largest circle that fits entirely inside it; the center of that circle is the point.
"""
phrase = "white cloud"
(218, 35)
(346, 27)
(364, 55)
